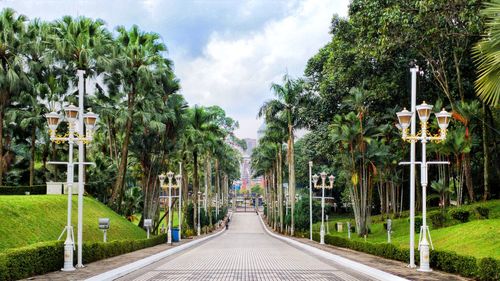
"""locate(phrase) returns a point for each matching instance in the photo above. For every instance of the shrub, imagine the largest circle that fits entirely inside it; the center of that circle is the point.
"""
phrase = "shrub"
(454, 263)
(45, 257)
(438, 219)
(20, 190)
(482, 212)
(489, 269)
(418, 223)
(460, 214)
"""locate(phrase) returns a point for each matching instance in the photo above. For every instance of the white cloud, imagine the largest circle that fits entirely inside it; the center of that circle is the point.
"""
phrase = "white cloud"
(235, 73)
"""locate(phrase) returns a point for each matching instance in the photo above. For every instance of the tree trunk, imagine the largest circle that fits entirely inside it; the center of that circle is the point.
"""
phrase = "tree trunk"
(2, 163)
(122, 168)
(486, 157)
(280, 185)
(291, 177)
(468, 177)
(32, 155)
(196, 188)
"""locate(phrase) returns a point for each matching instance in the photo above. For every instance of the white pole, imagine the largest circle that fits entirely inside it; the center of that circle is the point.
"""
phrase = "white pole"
(105, 238)
(424, 244)
(310, 203)
(199, 213)
(69, 243)
(81, 167)
(322, 231)
(180, 202)
(412, 165)
(169, 239)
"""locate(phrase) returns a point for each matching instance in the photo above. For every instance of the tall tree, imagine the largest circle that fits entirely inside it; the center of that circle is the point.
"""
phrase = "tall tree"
(12, 29)
(136, 67)
(289, 103)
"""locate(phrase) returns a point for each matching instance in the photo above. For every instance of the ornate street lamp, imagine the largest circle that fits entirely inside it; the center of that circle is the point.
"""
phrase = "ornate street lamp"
(73, 116)
(322, 187)
(443, 119)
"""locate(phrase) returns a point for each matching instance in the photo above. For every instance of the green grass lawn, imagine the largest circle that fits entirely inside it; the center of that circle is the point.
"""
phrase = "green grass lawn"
(175, 219)
(478, 238)
(36, 218)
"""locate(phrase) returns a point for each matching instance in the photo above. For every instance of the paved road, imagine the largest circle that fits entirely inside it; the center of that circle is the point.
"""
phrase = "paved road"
(244, 252)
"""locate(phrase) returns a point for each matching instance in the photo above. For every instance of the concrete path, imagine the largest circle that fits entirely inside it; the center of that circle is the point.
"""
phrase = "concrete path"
(245, 252)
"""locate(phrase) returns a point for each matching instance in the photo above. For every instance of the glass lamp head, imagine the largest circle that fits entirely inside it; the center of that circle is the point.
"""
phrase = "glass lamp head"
(178, 179)
(90, 119)
(443, 119)
(162, 179)
(315, 179)
(332, 180)
(170, 175)
(424, 111)
(53, 120)
(71, 112)
(404, 118)
(323, 176)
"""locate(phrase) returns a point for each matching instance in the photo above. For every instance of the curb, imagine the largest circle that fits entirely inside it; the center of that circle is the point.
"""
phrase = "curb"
(367, 270)
(131, 267)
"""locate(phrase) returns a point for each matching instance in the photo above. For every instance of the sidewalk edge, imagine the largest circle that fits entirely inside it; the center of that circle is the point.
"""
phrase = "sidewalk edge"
(131, 267)
(365, 269)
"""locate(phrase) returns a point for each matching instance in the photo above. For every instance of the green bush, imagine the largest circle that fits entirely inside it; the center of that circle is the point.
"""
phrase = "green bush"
(489, 269)
(486, 269)
(482, 212)
(20, 190)
(45, 257)
(438, 219)
(460, 214)
(418, 223)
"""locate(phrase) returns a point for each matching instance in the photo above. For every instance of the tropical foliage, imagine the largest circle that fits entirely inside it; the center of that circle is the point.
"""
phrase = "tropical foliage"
(145, 128)
(357, 82)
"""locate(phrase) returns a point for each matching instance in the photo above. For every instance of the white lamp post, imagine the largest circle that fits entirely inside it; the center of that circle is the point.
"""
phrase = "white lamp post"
(310, 202)
(178, 180)
(199, 212)
(443, 119)
(76, 119)
(323, 186)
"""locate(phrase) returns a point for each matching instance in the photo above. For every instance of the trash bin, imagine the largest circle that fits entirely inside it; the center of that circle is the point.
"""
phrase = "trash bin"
(175, 235)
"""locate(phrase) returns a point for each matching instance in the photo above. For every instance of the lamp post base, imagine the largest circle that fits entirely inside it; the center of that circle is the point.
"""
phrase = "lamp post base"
(322, 235)
(424, 257)
(68, 257)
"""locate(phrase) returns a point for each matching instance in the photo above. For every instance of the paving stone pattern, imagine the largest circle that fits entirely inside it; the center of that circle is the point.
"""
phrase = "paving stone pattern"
(245, 252)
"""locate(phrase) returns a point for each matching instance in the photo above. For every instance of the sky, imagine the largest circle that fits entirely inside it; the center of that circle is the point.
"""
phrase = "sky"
(225, 52)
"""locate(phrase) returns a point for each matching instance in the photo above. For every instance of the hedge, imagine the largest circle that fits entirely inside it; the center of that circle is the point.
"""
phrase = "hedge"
(46, 257)
(20, 190)
(482, 269)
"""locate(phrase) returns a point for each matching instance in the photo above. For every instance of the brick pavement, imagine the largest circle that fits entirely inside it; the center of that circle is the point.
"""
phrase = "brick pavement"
(245, 252)
(391, 266)
(101, 266)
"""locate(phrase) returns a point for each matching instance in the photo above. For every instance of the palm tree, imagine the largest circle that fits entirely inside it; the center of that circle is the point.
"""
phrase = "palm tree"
(12, 29)
(39, 61)
(275, 134)
(486, 53)
(290, 100)
(136, 69)
(200, 126)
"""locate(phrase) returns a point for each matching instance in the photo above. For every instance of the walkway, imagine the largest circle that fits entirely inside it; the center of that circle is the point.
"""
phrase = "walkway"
(245, 252)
